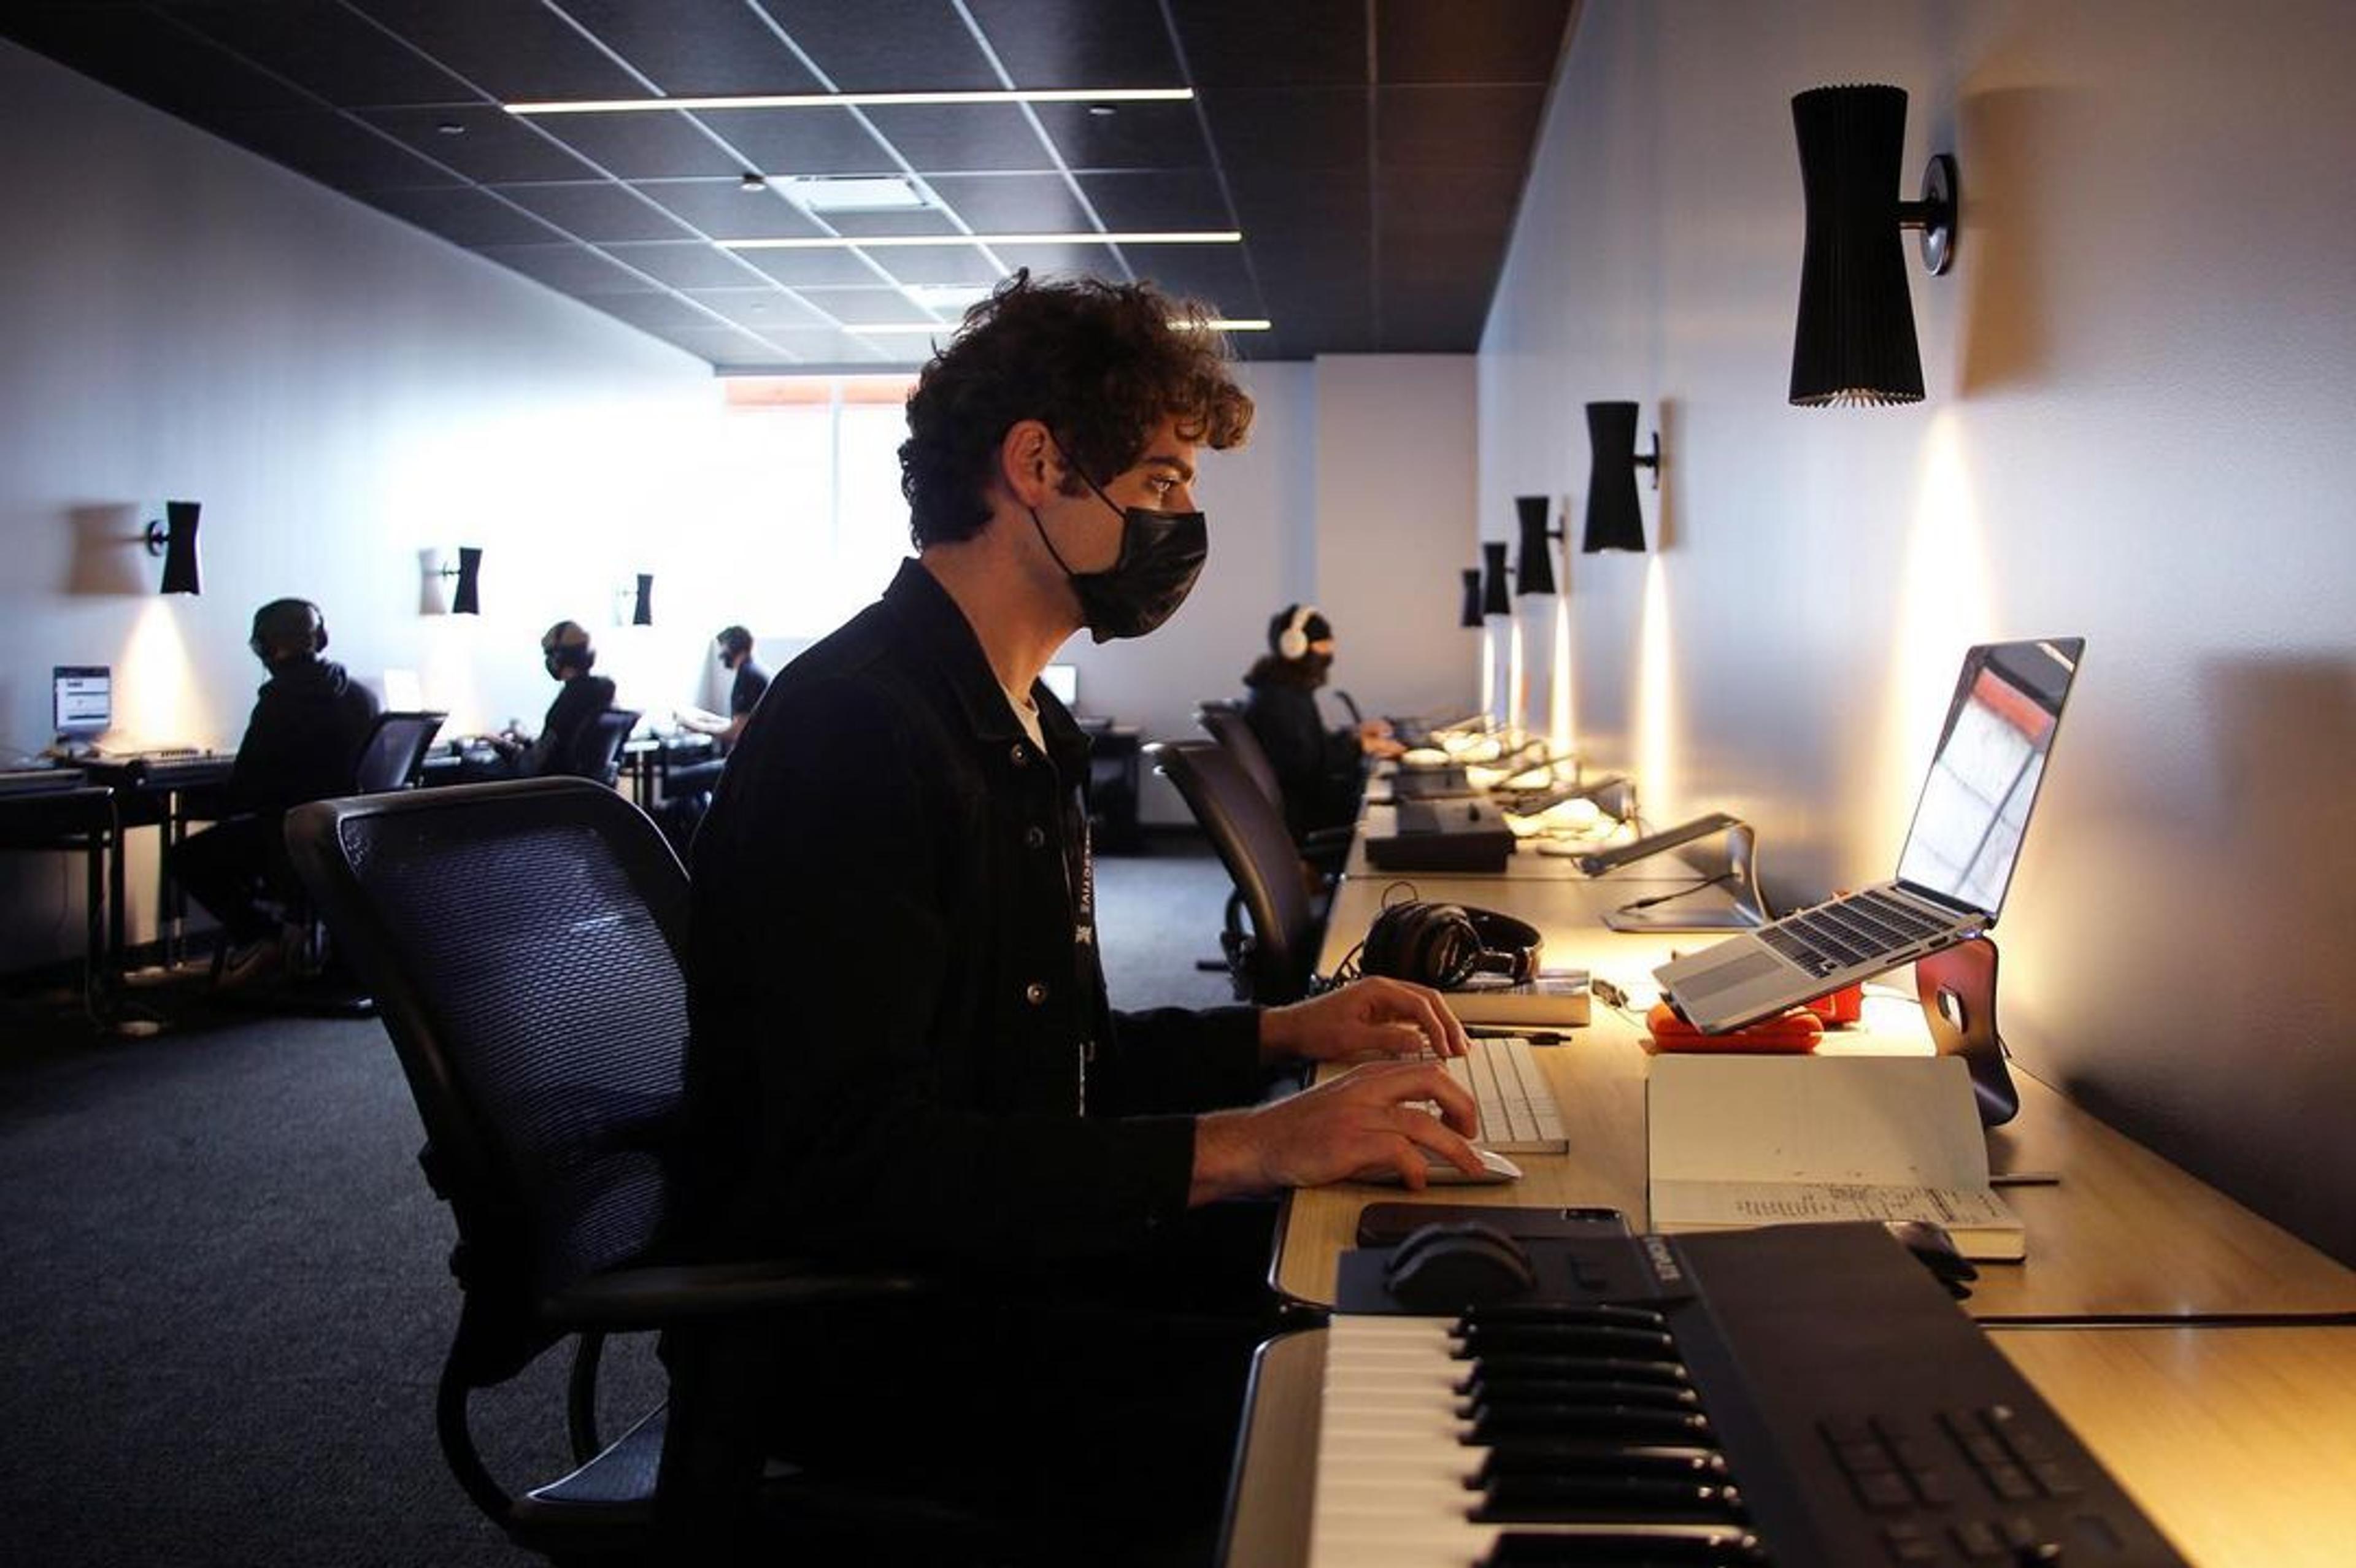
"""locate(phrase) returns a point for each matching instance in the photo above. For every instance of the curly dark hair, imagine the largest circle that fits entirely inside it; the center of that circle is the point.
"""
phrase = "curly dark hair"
(1100, 364)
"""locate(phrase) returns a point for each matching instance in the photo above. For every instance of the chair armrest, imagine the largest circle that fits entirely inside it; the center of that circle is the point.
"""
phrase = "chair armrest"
(655, 1296)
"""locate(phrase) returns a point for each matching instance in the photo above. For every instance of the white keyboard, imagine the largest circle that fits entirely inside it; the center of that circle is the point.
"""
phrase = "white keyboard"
(1518, 1113)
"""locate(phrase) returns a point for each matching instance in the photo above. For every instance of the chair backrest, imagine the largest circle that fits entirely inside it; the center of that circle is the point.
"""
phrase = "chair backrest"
(1224, 722)
(522, 942)
(597, 749)
(1248, 833)
(394, 751)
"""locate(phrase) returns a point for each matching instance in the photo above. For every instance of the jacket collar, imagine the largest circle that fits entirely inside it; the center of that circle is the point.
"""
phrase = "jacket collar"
(925, 614)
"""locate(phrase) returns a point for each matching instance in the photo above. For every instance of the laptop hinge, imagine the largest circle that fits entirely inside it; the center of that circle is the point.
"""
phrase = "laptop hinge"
(1947, 901)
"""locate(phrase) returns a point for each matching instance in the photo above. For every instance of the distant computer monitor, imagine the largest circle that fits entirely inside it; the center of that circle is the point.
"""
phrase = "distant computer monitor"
(82, 700)
(1064, 681)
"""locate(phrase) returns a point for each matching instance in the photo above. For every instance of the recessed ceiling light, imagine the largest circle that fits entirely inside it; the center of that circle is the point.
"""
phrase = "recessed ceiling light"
(821, 193)
(896, 328)
(856, 100)
(752, 182)
(1102, 111)
(451, 128)
(900, 241)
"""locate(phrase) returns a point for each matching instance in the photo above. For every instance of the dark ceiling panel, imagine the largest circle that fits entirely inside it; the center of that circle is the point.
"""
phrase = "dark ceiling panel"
(597, 210)
(1454, 127)
(1256, 43)
(962, 136)
(885, 46)
(1162, 200)
(1130, 136)
(718, 208)
(329, 147)
(464, 215)
(694, 47)
(323, 47)
(574, 268)
(1448, 40)
(509, 48)
(760, 309)
(642, 146)
(1374, 217)
(801, 140)
(911, 221)
(1303, 129)
(1011, 204)
(687, 264)
(490, 146)
(1080, 43)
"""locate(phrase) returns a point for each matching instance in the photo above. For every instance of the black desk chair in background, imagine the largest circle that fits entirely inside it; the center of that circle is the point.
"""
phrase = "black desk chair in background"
(1325, 848)
(394, 755)
(1270, 962)
(597, 749)
(523, 942)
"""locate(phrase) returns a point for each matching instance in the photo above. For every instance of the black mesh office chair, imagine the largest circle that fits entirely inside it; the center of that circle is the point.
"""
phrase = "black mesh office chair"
(394, 751)
(597, 749)
(522, 940)
(1271, 963)
(1325, 848)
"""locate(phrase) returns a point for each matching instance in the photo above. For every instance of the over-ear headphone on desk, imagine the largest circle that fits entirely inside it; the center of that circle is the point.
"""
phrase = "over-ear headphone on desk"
(1443, 945)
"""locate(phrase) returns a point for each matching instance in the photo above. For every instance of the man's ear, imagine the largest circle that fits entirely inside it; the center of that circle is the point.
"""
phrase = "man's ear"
(1028, 462)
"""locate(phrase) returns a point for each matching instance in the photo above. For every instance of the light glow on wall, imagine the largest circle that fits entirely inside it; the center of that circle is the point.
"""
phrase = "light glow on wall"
(1560, 737)
(1656, 707)
(1488, 671)
(1946, 603)
(156, 702)
(1517, 686)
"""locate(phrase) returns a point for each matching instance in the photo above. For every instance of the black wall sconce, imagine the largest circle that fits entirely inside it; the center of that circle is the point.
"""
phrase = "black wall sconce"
(642, 607)
(1855, 343)
(1534, 565)
(1494, 599)
(1470, 616)
(1614, 519)
(468, 600)
(174, 537)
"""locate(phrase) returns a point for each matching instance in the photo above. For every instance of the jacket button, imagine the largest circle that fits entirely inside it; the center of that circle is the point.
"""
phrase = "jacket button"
(1035, 992)
(1033, 838)
(1018, 756)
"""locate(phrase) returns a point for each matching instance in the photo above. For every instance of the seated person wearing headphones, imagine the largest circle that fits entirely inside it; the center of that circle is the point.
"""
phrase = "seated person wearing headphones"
(580, 698)
(1320, 771)
(301, 743)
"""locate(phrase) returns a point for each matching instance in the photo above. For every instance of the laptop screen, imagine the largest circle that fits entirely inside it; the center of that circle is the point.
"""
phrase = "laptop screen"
(82, 698)
(1984, 777)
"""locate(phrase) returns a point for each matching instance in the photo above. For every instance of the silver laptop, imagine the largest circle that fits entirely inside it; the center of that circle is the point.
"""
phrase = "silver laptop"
(1952, 874)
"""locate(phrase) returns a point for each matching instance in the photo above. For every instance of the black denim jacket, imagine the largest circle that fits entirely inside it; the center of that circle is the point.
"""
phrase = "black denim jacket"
(901, 1046)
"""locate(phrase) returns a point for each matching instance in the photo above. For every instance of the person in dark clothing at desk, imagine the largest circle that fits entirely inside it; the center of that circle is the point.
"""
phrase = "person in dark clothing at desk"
(580, 696)
(301, 744)
(1321, 769)
(687, 790)
(901, 1047)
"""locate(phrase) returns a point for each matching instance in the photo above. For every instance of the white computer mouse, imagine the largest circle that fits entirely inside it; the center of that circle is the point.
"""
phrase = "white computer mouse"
(1439, 1172)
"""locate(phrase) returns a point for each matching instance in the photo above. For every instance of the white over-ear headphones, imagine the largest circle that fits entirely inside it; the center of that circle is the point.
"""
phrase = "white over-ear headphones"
(1293, 641)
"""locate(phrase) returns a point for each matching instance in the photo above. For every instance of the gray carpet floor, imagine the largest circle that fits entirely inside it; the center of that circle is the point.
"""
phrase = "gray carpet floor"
(223, 1283)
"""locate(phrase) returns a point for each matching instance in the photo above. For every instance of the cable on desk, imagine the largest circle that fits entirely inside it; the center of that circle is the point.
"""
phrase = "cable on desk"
(1685, 892)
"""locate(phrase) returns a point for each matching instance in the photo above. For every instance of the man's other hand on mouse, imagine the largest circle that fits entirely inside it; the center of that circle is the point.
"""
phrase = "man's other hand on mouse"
(1368, 1118)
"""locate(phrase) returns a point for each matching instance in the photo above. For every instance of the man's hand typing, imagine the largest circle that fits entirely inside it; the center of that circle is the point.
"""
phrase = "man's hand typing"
(1368, 1020)
(1369, 1118)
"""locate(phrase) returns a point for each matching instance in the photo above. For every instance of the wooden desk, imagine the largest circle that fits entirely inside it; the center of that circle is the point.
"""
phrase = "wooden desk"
(2239, 1443)
(2123, 1235)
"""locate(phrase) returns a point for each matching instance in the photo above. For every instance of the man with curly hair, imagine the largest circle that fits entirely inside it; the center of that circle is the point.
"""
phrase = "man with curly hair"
(901, 1049)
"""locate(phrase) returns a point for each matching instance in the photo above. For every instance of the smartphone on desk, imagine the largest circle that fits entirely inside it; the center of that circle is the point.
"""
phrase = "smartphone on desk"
(1388, 1224)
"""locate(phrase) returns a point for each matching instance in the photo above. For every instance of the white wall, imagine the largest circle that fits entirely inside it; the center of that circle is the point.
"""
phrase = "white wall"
(2139, 378)
(339, 391)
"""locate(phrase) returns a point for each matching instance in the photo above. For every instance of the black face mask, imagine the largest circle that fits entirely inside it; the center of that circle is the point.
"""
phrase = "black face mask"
(1161, 554)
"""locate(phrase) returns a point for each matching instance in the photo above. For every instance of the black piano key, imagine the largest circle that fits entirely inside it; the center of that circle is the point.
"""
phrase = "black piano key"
(1480, 1340)
(1627, 1546)
(1555, 1456)
(1571, 1500)
(1494, 1392)
(1597, 1316)
(1619, 1368)
(1589, 1421)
